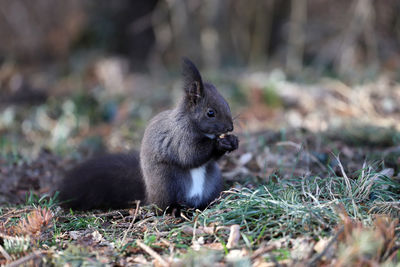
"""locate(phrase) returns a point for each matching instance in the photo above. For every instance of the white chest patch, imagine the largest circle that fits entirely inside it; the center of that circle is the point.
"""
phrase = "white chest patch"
(198, 177)
(211, 136)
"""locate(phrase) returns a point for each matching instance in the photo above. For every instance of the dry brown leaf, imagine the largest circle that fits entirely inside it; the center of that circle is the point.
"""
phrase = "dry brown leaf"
(36, 222)
(302, 248)
(216, 246)
(321, 244)
(75, 235)
(139, 259)
(357, 241)
(235, 254)
(96, 236)
(199, 231)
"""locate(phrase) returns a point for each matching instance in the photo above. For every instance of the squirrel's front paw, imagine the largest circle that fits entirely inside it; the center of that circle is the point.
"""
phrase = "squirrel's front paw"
(228, 143)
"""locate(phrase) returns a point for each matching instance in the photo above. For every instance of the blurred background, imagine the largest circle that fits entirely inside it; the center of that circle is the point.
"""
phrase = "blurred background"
(75, 65)
(82, 76)
(334, 38)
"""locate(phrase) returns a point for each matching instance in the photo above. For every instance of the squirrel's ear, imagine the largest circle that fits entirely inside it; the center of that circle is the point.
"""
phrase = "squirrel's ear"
(192, 82)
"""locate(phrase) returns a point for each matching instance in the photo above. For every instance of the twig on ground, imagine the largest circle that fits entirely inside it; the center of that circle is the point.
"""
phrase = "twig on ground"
(152, 253)
(113, 213)
(262, 250)
(131, 224)
(194, 230)
(234, 236)
(289, 143)
(119, 213)
(31, 256)
(317, 257)
(5, 254)
(15, 212)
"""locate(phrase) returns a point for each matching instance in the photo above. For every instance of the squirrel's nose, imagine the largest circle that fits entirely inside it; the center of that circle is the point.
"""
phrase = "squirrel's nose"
(229, 129)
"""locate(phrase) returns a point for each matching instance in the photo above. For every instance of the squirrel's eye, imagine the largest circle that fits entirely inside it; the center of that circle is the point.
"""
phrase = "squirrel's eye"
(210, 113)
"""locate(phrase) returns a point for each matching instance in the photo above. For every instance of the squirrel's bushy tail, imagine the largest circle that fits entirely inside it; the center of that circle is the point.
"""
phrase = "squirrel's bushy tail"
(109, 181)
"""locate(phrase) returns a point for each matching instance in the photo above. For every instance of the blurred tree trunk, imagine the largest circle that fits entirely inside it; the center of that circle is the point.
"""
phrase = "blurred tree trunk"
(262, 32)
(361, 27)
(296, 40)
(209, 35)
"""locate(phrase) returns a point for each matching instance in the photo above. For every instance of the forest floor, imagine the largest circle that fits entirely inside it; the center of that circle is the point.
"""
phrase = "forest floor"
(315, 181)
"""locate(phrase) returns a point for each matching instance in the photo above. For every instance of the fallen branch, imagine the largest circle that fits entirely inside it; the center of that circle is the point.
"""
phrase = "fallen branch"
(262, 250)
(33, 255)
(5, 254)
(152, 253)
(131, 224)
(234, 236)
(317, 257)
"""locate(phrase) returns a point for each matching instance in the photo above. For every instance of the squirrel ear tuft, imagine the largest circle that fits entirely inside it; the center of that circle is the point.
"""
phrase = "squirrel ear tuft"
(192, 82)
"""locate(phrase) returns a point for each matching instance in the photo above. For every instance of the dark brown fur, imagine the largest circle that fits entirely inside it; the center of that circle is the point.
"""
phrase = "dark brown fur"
(175, 143)
(108, 181)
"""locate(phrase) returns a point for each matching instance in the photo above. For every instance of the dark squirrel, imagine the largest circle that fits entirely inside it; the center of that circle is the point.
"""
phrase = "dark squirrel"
(177, 162)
